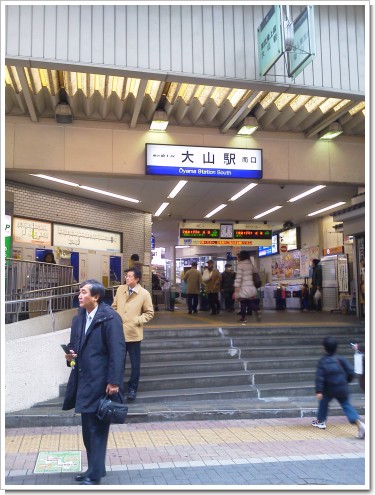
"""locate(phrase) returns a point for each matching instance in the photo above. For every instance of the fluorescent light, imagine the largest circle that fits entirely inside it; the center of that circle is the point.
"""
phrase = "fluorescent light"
(310, 191)
(332, 132)
(106, 193)
(267, 212)
(182, 247)
(159, 121)
(87, 188)
(326, 208)
(243, 191)
(249, 126)
(161, 209)
(215, 211)
(177, 189)
(54, 179)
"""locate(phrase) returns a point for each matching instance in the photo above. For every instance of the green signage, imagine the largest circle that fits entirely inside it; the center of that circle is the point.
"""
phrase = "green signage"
(192, 233)
(270, 40)
(304, 47)
(8, 236)
(252, 234)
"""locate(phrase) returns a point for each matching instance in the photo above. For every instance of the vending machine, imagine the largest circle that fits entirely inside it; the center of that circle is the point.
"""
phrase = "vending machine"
(335, 280)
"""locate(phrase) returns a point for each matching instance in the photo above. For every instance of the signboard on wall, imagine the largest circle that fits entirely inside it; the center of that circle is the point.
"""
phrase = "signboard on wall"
(270, 40)
(8, 235)
(32, 231)
(199, 161)
(78, 237)
(225, 234)
(307, 255)
(304, 47)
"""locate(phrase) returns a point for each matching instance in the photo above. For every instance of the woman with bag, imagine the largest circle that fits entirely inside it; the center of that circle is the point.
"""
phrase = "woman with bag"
(245, 289)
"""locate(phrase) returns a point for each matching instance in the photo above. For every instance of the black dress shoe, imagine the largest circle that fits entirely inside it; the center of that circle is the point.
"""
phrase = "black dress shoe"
(82, 476)
(89, 481)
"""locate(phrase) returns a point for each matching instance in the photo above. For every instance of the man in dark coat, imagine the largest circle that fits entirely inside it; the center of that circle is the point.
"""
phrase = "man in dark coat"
(332, 376)
(97, 358)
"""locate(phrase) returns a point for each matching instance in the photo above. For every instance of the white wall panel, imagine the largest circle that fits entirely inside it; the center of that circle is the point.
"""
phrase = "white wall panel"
(200, 40)
(207, 40)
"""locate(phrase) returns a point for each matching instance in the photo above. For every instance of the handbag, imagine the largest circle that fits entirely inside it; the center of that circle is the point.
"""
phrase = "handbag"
(256, 280)
(111, 412)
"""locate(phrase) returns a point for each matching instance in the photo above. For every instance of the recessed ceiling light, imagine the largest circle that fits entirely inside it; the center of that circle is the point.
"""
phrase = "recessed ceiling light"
(215, 211)
(177, 189)
(243, 191)
(267, 212)
(306, 193)
(326, 208)
(112, 195)
(55, 179)
(162, 207)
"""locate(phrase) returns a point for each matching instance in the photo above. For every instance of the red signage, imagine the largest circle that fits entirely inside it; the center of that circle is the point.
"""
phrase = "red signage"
(283, 248)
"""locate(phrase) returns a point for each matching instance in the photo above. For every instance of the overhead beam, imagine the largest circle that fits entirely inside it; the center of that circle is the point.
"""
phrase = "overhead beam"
(138, 102)
(242, 111)
(329, 119)
(27, 94)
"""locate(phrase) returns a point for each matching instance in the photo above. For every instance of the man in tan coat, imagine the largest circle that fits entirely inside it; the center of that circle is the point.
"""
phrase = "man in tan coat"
(134, 304)
(193, 279)
(213, 287)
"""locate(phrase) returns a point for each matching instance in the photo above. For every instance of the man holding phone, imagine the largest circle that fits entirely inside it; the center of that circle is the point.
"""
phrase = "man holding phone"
(96, 355)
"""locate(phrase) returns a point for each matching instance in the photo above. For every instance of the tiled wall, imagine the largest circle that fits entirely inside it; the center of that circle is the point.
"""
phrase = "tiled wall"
(53, 206)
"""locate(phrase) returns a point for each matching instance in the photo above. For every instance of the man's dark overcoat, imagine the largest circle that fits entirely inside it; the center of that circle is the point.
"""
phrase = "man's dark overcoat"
(100, 359)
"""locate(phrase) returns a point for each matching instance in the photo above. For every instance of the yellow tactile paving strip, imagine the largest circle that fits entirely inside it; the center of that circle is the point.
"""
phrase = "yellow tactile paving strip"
(24, 443)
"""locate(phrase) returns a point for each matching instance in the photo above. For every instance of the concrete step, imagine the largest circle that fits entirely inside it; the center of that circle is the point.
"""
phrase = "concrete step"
(216, 409)
(218, 372)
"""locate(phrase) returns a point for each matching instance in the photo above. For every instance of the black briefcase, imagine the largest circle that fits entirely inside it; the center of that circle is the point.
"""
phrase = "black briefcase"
(111, 412)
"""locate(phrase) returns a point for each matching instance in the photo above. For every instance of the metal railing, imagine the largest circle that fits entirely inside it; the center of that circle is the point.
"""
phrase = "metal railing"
(27, 307)
(33, 288)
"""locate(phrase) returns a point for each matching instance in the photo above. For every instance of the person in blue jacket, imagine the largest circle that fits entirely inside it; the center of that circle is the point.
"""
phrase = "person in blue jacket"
(97, 359)
(333, 374)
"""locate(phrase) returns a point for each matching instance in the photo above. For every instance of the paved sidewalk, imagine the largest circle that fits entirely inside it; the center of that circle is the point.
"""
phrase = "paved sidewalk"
(235, 453)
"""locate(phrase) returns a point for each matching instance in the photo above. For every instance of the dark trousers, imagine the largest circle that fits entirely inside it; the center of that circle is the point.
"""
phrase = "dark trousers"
(192, 300)
(213, 302)
(248, 305)
(95, 436)
(229, 301)
(134, 351)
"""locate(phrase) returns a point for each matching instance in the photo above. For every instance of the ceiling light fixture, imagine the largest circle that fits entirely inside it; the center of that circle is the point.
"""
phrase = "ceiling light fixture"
(249, 126)
(340, 203)
(63, 113)
(87, 188)
(182, 247)
(332, 132)
(112, 195)
(243, 191)
(161, 209)
(159, 121)
(215, 211)
(267, 212)
(54, 179)
(306, 193)
(177, 189)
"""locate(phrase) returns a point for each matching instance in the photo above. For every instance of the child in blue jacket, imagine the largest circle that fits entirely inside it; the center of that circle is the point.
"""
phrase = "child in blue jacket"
(332, 377)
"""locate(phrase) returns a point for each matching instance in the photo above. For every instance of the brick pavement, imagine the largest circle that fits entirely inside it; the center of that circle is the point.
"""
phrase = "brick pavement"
(232, 453)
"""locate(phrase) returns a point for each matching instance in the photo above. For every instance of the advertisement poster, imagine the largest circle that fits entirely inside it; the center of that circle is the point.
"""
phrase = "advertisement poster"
(307, 255)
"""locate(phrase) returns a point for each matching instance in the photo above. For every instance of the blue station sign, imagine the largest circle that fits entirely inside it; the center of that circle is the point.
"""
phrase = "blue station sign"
(202, 161)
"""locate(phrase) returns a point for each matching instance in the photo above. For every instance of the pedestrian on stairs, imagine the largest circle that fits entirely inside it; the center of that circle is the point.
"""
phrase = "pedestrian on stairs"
(333, 374)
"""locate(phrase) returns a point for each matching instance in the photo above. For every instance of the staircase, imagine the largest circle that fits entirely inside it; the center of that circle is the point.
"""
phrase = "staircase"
(212, 373)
